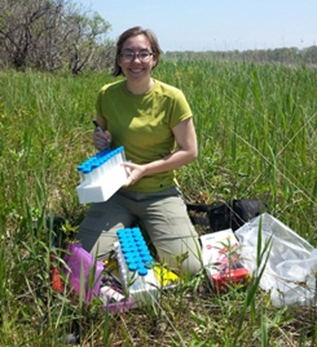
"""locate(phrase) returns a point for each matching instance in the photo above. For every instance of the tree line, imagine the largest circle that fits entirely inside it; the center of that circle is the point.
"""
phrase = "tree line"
(52, 35)
(288, 56)
(55, 35)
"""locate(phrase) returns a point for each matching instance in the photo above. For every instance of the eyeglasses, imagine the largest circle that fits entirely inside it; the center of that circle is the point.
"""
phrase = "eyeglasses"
(129, 56)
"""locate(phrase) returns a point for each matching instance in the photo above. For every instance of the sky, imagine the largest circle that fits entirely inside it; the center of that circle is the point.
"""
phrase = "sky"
(215, 25)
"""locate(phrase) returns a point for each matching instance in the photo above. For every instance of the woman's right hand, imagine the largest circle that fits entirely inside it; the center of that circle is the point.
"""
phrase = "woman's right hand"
(101, 140)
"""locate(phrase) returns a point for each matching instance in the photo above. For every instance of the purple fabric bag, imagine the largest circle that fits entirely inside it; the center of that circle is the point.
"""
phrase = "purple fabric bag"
(82, 265)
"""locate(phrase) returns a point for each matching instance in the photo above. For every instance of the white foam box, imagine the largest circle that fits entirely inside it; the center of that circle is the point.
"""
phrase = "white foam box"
(102, 189)
(111, 176)
(221, 259)
(143, 289)
(137, 267)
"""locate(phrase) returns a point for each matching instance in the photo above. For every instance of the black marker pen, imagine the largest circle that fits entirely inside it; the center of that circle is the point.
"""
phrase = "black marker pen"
(98, 126)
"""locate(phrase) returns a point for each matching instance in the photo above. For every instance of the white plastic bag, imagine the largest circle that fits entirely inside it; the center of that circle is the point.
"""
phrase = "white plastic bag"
(291, 270)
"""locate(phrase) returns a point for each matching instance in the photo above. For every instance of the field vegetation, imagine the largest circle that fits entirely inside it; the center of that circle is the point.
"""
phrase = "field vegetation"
(257, 133)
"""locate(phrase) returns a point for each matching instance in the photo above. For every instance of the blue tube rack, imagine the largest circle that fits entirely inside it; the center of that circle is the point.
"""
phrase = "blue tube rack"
(101, 175)
(136, 266)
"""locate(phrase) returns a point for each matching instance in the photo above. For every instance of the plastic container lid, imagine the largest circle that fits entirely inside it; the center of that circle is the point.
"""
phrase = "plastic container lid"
(133, 267)
(142, 271)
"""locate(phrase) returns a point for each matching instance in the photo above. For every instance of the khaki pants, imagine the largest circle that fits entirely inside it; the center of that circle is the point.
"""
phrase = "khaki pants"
(162, 215)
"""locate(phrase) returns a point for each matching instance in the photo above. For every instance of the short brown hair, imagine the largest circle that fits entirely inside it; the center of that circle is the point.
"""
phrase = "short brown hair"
(135, 31)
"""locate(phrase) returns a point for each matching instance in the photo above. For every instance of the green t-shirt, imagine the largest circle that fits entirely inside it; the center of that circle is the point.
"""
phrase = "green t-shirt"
(143, 125)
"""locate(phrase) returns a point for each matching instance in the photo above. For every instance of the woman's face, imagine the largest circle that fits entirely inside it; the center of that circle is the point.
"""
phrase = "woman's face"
(136, 59)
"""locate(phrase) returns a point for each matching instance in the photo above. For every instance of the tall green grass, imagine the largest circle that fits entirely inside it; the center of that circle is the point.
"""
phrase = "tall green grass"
(257, 135)
(256, 127)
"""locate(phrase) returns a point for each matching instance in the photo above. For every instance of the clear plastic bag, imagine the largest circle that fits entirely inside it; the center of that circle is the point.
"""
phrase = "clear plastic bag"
(290, 273)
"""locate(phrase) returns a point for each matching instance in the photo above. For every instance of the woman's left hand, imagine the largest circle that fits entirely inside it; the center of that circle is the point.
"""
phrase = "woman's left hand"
(135, 172)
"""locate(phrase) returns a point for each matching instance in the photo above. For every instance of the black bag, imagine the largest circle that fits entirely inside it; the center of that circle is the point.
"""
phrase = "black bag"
(232, 214)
